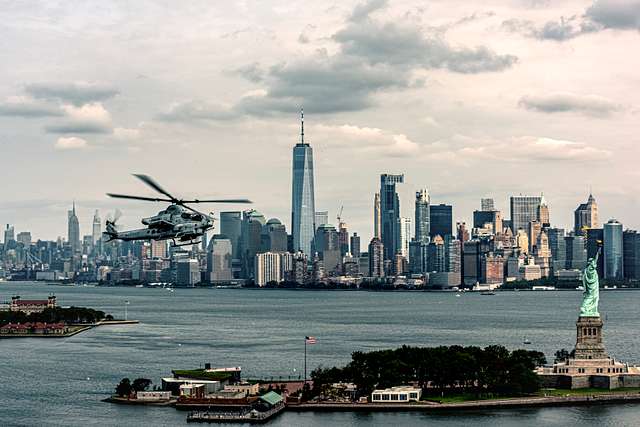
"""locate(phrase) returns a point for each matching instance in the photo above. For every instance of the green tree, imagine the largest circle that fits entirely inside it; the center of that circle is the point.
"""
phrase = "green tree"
(141, 384)
(123, 389)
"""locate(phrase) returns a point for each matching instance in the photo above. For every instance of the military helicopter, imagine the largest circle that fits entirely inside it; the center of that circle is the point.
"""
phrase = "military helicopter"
(178, 222)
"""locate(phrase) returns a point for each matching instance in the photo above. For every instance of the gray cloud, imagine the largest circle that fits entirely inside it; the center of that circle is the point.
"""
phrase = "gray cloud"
(362, 10)
(74, 93)
(195, 110)
(372, 57)
(325, 83)
(568, 102)
(78, 128)
(252, 72)
(406, 45)
(603, 14)
(620, 14)
(29, 109)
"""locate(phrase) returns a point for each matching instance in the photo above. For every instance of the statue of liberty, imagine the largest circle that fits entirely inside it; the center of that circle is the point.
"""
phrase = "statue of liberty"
(589, 307)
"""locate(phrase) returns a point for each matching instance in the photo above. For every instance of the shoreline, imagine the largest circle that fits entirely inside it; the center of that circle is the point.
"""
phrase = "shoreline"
(527, 402)
(81, 328)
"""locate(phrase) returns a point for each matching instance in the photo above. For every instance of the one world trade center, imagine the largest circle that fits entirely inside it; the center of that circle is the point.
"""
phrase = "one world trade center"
(303, 203)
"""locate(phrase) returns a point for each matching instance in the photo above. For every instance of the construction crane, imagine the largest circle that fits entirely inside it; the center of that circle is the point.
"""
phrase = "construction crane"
(339, 216)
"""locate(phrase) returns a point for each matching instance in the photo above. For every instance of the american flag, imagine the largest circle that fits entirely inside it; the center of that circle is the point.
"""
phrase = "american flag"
(310, 340)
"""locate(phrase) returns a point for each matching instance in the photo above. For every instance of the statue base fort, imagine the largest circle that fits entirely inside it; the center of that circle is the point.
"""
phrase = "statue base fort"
(589, 366)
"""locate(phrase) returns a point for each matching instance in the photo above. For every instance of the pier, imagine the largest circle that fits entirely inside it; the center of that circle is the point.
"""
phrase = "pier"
(252, 416)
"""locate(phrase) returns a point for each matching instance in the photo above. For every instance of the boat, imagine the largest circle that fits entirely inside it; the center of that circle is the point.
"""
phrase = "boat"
(526, 341)
(487, 293)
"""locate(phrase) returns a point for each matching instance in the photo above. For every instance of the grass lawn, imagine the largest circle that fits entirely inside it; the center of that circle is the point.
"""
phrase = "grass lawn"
(459, 398)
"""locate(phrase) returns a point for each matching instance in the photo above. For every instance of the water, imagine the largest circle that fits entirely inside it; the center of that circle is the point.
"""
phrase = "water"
(61, 381)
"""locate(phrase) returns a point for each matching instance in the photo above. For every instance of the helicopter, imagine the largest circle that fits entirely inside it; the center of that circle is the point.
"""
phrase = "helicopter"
(179, 222)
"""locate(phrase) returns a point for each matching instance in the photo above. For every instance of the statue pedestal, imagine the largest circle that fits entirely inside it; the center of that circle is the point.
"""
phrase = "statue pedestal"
(589, 343)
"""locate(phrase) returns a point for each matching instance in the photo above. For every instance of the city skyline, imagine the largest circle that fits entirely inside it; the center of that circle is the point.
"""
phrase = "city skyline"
(458, 122)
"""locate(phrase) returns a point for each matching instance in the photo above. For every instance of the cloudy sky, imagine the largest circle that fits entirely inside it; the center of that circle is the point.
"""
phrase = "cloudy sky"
(469, 101)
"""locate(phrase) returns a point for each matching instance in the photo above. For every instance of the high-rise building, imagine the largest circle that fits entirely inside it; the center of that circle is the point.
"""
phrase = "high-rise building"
(487, 205)
(303, 199)
(543, 213)
(586, 216)
(481, 218)
(321, 217)
(273, 237)
(376, 258)
(422, 216)
(343, 238)
(418, 257)
(231, 227)
(158, 249)
(390, 214)
(436, 258)
(576, 252)
(355, 245)
(9, 236)
(250, 240)
(453, 256)
(404, 226)
(441, 220)
(187, 272)
(377, 217)
(73, 235)
(524, 209)
(24, 237)
(558, 249)
(327, 244)
(267, 268)
(219, 259)
(631, 254)
(613, 250)
(535, 228)
(96, 229)
(462, 233)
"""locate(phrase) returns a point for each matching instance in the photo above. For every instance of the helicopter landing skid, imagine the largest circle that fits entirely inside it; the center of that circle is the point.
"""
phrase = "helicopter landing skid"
(185, 244)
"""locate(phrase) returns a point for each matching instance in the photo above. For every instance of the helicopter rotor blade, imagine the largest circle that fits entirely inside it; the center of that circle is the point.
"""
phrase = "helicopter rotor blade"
(217, 201)
(151, 183)
(148, 199)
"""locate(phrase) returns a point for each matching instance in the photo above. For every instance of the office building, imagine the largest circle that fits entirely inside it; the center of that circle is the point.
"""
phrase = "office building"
(219, 259)
(524, 209)
(422, 216)
(321, 217)
(631, 254)
(594, 239)
(462, 233)
(96, 228)
(436, 255)
(343, 238)
(327, 247)
(487, 205)
(613, 250)
(376, 258)
(273, 237)
(586, 216)
(231, 227)
(24, 237)
(187, 272)
(418, 257)
(303, 197)
(482, 218)
(158, 249)
(377, 217)
(73, 235)
(355, 245)
(250, 240)
(558, 249)
(390, 214)
(441, 217)
(576, 252)
(404, 226)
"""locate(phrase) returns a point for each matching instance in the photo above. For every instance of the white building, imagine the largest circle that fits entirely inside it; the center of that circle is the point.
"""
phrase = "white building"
(396, 394)
(267, 268)
(404, 224)
(219, 258)
(153, 396)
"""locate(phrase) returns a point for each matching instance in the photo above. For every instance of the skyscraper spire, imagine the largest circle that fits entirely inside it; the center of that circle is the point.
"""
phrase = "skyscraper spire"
(302, 126)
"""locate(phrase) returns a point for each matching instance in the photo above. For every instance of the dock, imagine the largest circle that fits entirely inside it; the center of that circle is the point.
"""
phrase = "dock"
(252, 416)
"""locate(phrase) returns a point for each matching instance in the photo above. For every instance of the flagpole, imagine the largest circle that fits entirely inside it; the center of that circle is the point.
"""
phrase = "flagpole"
(305, 360)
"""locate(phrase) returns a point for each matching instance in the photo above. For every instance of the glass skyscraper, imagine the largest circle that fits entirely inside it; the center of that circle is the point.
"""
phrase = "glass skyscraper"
(524, 209)
(390, 214)
(303, 203)
(613, 255)
(441, 217)
(422, 216)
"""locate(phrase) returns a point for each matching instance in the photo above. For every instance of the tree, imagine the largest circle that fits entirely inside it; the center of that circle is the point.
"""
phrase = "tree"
(124, 388)
(141, 384)
(561, 355)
